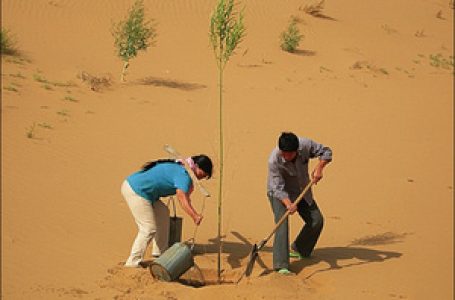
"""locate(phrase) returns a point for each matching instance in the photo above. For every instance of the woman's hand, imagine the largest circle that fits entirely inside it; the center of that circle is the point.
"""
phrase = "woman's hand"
(197, 219)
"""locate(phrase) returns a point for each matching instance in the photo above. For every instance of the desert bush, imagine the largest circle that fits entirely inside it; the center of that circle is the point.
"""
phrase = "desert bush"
(8, 45)
(439, 15)
(314, 9)
(439, 61)
(291, 37)
(133, 35)
(31, 131)
(95, 82)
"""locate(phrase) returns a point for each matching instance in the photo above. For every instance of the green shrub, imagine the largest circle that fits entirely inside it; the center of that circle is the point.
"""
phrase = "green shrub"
(132, 35)
(439, 61)
(290, 39)
(8, 45)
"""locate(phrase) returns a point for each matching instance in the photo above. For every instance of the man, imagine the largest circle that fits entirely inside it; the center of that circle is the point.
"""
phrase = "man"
(287, 177)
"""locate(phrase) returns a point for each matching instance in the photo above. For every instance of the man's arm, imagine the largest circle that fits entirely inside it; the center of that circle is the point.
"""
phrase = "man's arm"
(317, 175)
(277, 186)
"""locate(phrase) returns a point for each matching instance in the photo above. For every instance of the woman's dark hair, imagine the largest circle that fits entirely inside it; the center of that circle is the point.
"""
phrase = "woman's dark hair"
(151, 164)
(288, 141)
(204, 163)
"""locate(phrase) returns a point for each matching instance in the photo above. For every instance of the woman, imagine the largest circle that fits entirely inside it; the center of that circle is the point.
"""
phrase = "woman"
(143, 190)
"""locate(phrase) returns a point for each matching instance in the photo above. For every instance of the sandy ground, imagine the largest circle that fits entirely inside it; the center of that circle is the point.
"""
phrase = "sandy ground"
(361, 82)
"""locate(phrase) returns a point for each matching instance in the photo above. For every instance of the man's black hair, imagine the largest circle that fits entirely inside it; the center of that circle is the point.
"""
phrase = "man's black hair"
(288, 141)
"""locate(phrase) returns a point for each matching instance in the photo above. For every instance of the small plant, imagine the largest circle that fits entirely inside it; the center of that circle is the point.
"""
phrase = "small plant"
(17, 75)
(39, 78)
(11, 88)
(439, 61)
(419, 33)
(95, 82)
(63, 113)
(31, 131)
(47, 87)
(439, 15)
(365, 65)
(388, 29)
(45, 125)
(70, 98)
(7, 44)
(314, 9)
(290, 39)
(132, 35)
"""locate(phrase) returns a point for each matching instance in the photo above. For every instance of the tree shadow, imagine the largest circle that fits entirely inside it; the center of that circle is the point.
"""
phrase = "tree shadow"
(170, 83)
(333, 255)
(323, 16)
(380, 239)
(304, 52)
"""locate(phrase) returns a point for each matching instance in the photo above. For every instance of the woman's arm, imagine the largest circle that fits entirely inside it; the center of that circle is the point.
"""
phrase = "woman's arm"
(185, 202)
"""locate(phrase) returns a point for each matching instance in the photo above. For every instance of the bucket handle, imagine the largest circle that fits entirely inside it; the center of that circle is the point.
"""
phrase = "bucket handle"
(173, 204)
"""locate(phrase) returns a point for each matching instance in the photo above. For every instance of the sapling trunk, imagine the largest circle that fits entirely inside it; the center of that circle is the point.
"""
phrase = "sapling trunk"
(125, 66)
(226, 33)
(220, 185)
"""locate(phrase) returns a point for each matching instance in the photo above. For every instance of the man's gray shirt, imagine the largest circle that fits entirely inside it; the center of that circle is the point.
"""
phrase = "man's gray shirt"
(288, 179)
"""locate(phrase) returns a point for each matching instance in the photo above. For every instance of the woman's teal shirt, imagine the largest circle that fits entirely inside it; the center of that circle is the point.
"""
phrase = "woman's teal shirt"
(160, 181)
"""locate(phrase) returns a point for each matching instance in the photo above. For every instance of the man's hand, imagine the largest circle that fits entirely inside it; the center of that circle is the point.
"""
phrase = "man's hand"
(316, 175)
(289, 206)
(292, 208)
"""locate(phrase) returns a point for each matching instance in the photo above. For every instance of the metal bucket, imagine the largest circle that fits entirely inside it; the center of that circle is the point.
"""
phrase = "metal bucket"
(175, 225)
(175, 230)
(172, 263)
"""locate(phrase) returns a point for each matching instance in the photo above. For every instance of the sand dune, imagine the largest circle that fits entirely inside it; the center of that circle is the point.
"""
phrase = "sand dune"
(362, 82)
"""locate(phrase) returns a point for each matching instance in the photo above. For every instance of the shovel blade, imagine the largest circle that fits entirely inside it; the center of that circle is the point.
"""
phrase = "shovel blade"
(252, 260)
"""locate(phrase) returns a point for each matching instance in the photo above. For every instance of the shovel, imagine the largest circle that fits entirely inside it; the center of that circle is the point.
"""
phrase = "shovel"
(257, 247)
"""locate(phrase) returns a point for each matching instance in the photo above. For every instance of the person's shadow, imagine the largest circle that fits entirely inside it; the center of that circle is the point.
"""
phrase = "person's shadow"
(333, 256)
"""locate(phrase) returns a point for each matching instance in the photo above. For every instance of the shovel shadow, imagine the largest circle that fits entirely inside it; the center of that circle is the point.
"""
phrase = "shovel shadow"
(334, 255)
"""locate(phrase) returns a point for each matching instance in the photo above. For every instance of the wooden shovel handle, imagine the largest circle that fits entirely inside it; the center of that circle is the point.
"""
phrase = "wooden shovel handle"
(286, 214)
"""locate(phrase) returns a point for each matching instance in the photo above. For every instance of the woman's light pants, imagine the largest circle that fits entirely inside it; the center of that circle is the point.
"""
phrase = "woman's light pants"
(152, 221)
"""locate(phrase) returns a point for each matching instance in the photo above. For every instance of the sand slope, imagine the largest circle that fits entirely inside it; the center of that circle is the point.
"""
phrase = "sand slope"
(361, 82)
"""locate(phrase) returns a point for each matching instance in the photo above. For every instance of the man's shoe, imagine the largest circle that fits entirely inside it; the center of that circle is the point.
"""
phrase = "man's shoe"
(284, 271)
(294, 254)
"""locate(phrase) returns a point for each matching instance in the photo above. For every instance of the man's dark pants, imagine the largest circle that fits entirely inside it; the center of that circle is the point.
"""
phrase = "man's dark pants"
(307, 237)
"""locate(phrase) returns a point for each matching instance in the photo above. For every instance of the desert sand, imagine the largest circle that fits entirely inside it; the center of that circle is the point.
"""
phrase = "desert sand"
(364, 81)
